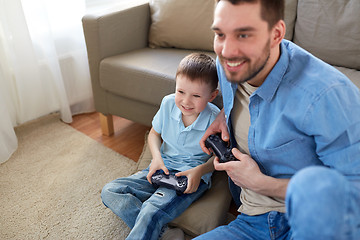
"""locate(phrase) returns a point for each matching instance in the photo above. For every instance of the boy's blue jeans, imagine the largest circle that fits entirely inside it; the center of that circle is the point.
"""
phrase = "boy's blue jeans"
(145, 209)
(321, 204)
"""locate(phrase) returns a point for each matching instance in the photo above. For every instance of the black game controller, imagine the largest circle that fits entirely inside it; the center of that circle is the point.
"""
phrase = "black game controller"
(179, 184)
(220, 148)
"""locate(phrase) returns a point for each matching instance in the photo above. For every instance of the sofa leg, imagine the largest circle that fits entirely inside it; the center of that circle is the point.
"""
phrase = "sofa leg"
(107, 124)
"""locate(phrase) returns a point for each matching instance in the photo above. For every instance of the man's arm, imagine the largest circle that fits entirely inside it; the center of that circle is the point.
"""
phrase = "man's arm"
(217, 126)
(244, 173)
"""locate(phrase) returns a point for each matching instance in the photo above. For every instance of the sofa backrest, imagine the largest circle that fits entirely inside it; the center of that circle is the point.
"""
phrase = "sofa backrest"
(181, 24)
(290, 18)
(328, 29)
(186, 24)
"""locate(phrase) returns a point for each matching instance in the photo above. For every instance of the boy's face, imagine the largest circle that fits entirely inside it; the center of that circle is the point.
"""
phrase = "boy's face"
(191, 97)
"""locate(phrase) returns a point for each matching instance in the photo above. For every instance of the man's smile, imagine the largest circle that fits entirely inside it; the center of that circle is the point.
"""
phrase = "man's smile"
(234, 65)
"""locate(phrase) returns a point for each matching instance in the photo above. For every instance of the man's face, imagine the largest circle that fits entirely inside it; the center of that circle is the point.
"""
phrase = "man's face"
(242, 41)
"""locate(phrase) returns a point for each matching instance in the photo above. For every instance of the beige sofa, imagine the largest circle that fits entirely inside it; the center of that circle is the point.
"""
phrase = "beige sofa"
(134, 52)
(130, 76)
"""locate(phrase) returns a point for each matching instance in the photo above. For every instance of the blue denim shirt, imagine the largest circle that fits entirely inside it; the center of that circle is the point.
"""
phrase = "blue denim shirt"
(305, 113)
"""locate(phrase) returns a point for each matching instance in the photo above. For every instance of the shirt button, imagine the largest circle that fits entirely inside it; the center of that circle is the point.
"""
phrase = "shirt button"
(226, 116)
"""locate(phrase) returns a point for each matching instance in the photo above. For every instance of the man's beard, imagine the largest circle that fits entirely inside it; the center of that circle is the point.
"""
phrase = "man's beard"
(253, 71)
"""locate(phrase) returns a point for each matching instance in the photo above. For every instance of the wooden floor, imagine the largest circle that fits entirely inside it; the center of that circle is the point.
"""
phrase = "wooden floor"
(128, 138)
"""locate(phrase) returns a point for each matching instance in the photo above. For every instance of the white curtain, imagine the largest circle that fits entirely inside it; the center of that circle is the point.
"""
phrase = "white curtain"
(43, 64)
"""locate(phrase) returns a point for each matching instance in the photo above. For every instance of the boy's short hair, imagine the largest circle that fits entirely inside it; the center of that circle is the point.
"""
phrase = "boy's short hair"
(199, 67)
(271, 10)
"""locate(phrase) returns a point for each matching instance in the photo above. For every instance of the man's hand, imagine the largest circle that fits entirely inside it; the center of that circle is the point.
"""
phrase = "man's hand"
(242, 172)
(246, 173)
(218, 126)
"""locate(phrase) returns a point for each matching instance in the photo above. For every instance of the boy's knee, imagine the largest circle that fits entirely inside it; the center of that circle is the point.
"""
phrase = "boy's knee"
(110, 193)
(105, 193)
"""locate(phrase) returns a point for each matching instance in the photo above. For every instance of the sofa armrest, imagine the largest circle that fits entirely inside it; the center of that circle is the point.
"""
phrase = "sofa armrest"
(107, 34)
(115, 32)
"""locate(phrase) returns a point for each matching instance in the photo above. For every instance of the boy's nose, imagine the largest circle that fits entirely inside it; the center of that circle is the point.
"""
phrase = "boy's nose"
(186, 100)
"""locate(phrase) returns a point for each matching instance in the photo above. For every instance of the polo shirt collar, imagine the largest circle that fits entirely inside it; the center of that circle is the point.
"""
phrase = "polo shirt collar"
(201, 122)
(268, 89)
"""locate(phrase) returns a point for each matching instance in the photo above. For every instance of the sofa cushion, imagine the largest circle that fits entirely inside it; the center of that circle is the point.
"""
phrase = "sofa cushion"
(352, 74)
(182, 24)
(290, 17)
(142, 75)
(330, 30)
(206, 213)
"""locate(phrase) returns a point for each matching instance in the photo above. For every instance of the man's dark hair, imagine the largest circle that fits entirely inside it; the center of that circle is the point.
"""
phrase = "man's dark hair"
(199, 67)
(271, 10)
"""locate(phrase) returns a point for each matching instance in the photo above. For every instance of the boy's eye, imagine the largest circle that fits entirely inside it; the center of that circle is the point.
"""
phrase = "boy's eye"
(179, 91)
(197, 96)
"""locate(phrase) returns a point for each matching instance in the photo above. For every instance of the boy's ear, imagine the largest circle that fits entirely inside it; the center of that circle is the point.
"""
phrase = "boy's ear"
(214, 94)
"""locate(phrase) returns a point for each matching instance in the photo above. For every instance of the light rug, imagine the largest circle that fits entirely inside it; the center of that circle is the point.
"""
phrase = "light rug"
(50, 187)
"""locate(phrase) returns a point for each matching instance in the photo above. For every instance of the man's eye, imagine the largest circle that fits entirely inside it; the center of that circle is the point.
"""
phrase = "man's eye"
(219, 35)
(243, 36)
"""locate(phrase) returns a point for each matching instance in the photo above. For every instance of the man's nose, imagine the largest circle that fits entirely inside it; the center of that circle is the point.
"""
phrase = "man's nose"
(229, 48)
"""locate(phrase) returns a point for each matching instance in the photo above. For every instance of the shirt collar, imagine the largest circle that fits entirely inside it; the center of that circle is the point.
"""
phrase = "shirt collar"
(268, 89)
(201, 122)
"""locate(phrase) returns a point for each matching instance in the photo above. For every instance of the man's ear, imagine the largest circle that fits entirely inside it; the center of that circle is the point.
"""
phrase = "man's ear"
(278, 33)
(213, 95)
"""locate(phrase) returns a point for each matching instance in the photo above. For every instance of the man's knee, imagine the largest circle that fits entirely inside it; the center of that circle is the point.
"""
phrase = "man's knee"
(315, 200)
(314, 182)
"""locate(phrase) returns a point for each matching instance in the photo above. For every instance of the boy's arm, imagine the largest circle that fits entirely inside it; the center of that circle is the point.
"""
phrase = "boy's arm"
(154, 140)
(205, 167)
(194, 175)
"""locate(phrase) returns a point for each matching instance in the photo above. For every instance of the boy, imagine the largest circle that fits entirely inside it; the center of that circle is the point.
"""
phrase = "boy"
(174, 140)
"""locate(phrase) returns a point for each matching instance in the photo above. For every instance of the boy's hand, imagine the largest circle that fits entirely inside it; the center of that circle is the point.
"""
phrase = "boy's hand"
(219, 125)
(194, 179)
(154, 166)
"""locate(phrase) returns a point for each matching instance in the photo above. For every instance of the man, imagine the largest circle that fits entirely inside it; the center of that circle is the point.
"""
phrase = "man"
(294, 122)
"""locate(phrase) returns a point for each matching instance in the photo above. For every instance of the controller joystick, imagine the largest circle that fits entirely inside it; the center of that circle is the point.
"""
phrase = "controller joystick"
(220, 148)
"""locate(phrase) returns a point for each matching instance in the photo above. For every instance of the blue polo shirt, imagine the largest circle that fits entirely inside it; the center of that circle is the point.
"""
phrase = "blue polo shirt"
(181, 149)
(306, 113)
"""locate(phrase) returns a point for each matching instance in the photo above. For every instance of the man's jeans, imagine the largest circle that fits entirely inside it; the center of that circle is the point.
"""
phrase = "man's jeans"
(321, 204)
(145, 209)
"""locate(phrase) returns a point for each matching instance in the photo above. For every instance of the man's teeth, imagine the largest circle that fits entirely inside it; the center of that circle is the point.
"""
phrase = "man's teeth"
(233, 64)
